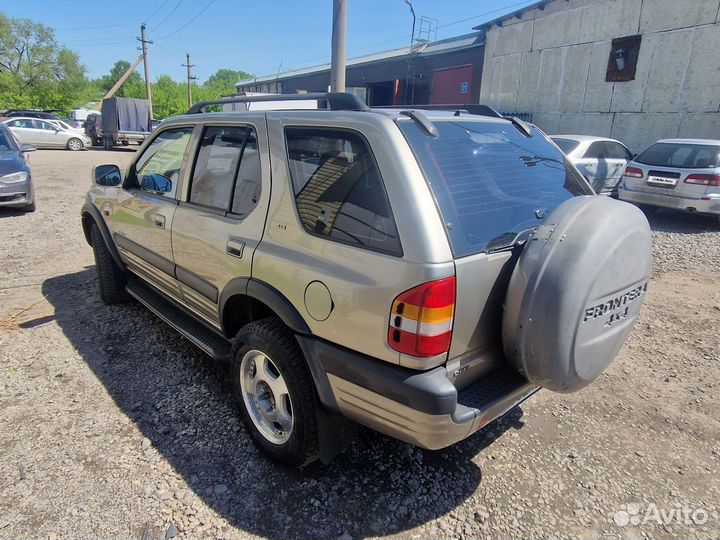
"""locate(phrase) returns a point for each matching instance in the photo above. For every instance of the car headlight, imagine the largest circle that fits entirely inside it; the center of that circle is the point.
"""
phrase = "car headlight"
(14, 178)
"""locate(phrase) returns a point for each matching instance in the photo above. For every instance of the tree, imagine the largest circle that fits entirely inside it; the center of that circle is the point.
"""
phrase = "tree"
(35, 71)
(106, 82)
(223, 81)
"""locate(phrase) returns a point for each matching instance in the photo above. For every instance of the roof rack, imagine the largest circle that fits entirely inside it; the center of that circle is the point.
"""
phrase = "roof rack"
(336, 101)
(470, 108)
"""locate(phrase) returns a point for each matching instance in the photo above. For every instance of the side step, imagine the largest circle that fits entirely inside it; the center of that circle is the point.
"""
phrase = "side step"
(493, 395)
(207, 339)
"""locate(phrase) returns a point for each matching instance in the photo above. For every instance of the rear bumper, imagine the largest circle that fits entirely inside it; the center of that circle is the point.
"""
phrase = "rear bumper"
(708, 204)
(422, 408)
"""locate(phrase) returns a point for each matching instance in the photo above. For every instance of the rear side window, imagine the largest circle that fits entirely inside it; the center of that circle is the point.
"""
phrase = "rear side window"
(607, 150)
(227, 170)
(339, 192)
(680, 155)
(490, 181)
(566, 145)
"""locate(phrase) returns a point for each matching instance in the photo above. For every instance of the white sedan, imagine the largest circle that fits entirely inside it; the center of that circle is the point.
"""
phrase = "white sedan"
(43, 134)
(600, 160)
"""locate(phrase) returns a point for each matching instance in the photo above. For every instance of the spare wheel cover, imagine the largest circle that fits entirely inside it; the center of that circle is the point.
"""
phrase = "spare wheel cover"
(576, 292)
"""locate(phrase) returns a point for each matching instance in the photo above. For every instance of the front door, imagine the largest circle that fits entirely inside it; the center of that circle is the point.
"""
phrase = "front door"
(220, 223)
(142, 222)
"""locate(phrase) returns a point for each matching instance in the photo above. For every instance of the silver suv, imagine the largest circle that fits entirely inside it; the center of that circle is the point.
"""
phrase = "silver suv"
(420, 272)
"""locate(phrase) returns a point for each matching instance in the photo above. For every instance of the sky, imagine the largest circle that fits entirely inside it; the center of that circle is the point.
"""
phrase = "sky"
(259, 37)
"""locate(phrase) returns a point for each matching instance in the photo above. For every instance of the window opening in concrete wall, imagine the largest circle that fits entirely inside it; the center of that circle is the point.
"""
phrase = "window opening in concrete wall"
(624, 54)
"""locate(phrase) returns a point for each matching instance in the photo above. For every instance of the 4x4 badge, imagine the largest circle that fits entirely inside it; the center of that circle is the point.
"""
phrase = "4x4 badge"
(541, 213)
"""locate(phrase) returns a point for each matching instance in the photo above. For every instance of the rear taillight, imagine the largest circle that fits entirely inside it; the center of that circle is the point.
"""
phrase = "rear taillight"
(704, 179)
(633, 172)
(421, 319)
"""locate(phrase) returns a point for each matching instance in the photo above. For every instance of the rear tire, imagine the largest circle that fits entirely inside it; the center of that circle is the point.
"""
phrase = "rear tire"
(269, 369)
(111, 278)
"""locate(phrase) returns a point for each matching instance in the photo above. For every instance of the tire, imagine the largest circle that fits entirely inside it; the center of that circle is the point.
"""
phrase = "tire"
(111, 278)
(647, 209)
(280, 376)
(108, 143)
(75, 144)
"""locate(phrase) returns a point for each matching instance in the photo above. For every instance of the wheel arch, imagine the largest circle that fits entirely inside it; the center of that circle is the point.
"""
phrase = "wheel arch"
(245, 300)
(91, 215)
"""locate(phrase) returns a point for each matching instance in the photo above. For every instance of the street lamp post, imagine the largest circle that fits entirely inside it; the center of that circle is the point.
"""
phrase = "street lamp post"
(412, 39)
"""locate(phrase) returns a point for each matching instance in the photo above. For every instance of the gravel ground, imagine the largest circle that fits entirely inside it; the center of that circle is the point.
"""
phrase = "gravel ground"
(115, 427)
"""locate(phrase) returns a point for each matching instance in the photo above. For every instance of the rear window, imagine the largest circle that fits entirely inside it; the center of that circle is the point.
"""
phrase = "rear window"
(491, 182)
(681, 156)
(566, 145)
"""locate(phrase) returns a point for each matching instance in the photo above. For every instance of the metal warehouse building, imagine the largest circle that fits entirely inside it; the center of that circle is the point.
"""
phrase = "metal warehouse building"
(443, 71)
(634, 70)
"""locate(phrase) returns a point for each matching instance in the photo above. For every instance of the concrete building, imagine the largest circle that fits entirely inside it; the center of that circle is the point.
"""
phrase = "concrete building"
(442, 71)
(634, 70)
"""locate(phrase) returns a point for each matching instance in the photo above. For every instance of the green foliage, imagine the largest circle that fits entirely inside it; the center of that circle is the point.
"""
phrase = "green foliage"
(36, 72)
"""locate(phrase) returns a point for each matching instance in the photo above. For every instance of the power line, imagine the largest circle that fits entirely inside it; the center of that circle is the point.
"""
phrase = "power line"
(203, 10)
(169, 14)
(158, 10)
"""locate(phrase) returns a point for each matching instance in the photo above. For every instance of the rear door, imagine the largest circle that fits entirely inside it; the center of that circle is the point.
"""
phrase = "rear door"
(50, 135)
(142, 221)
(221, 218)
(25, 131)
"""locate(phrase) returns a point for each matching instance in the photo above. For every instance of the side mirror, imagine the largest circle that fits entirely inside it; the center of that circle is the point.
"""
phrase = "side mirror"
(107, 175)
(27, 148)
(156, 183)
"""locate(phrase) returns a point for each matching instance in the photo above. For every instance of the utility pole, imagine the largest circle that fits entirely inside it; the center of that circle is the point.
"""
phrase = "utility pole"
(144, 42)
(190, 77)
(339, 42)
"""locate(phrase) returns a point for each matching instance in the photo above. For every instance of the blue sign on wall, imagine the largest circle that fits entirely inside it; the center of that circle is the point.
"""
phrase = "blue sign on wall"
(464, 87)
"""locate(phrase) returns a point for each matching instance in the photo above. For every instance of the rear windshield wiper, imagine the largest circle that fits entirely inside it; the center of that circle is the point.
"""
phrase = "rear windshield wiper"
(508, 240)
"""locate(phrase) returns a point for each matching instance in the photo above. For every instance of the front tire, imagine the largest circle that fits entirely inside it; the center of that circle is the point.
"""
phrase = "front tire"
(276, 393)
(111, 278)
(75, 144)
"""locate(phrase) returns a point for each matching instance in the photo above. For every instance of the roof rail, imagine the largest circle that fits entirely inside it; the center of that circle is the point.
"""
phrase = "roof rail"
(337, 101)
(470, 108)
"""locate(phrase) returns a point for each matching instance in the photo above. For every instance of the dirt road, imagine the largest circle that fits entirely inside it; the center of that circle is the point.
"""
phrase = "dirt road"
(113, 426)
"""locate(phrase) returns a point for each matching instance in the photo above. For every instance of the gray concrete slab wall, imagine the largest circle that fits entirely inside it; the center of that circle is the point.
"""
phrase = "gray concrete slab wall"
(553, 63)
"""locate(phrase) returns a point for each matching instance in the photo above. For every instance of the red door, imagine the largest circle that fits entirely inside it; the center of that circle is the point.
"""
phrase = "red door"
(453, 85)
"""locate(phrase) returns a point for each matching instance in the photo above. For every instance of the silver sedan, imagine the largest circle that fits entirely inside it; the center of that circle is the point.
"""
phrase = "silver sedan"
(683, 174)
(600, 160)
(44, 134)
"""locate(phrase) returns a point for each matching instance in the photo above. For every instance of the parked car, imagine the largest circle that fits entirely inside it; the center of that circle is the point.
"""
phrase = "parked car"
(43, 134)
(30, 113)
(600, 160)
(16, 188)
(61, 124)
(78, 116)
(682, 174)
(418, 272)
(93, 128)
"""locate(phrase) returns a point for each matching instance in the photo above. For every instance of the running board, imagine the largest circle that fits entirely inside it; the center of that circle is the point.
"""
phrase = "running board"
(208, 340)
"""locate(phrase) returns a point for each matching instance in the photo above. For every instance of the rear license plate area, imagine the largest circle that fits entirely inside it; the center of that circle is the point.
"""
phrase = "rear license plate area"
(662, 181)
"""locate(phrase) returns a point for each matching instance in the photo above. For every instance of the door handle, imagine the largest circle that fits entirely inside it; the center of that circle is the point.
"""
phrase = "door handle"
(235, 248)
(158, 220)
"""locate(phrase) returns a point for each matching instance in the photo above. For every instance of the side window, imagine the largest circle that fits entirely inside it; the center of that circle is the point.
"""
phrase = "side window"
(596, 150)
(617, 151)
(45, 126)
(159, 168)
(339, 192)
(249, 178)
(227, 170)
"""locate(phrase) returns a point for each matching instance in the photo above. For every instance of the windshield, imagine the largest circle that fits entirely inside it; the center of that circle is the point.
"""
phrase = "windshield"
(7, 143)
(566, 145)
(490, 181)
(680, 155)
